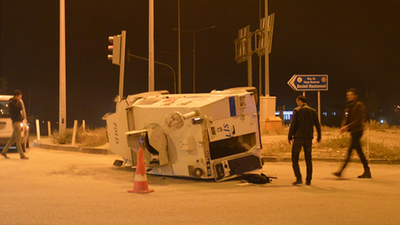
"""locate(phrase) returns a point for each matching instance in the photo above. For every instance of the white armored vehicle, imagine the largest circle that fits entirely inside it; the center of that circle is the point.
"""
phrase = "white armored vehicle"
(209, 136)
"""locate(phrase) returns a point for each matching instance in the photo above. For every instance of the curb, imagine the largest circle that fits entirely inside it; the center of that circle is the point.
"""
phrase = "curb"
(371, 161)
(105, 151)
(72, 148)
(278, 159)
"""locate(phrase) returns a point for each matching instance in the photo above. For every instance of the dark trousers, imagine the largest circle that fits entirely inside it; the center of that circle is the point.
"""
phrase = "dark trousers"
(306, 143)
(355, 144)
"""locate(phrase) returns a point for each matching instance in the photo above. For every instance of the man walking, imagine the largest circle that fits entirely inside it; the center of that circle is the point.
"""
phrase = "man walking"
(353, 122)
(15, 106)
(302, 131)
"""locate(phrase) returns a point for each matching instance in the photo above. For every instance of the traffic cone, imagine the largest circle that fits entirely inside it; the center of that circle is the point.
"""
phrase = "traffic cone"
(140, 185)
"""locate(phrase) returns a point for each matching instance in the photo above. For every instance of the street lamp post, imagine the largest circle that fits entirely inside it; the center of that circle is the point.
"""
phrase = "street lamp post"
(179, 49)
(194, 51)
(156, 62)
(62, 72)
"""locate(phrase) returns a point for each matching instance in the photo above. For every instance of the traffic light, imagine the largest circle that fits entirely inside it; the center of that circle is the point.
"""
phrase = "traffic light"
(115, 49)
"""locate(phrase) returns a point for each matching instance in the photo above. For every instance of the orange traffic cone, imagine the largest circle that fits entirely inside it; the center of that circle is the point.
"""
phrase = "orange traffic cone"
(140, 185)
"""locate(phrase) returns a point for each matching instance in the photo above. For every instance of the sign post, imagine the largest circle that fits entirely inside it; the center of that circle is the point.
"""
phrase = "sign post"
(310, 83)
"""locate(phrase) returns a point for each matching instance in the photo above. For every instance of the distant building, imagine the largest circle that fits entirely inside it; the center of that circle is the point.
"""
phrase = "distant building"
(286, 116)
(333, 117)
(329, 116)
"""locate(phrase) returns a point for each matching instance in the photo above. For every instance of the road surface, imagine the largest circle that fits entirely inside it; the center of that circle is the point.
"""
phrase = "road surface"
(60, 187)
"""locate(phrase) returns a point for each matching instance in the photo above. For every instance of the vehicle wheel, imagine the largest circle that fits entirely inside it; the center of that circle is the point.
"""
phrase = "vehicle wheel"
(198, 172)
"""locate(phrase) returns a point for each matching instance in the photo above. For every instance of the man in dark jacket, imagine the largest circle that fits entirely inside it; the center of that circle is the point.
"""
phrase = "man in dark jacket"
(353, 122)
(15, 107)
(302, 131)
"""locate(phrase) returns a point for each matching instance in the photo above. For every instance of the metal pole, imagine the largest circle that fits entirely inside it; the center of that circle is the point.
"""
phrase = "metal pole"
(368, 139)
(151, 45)
(194, 62)
(63, 111)
(319, 106)
(260, 56)
(122, 65)
(37, 130)
(249, 60)
(266, 49)
(74, 132)
(156, 62)
(48, 128)
(194, 50)
(260, 75)
(179, 48)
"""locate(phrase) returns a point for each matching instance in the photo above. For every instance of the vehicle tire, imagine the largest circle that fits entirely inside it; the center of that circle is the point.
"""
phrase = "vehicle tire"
(198, 172)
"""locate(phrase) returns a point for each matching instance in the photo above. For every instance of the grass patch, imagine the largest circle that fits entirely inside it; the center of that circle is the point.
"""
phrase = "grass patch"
(383, 143)
(276, 148)
(375, 125)
(284, 130)
(379, 150)
(327, 129)
(341, 141)
(281, 146)
(90, 138)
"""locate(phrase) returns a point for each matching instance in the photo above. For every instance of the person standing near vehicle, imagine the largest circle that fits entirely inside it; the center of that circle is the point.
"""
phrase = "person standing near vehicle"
(15, 107)
(353, 122)
(302, 131)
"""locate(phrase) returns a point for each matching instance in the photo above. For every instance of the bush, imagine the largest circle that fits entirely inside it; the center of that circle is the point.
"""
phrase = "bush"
(379, 150)
(283, 131)
(375, 125)
(341, 141)
(63, 138)
(328, 129)
(89, 138)
(280, 146)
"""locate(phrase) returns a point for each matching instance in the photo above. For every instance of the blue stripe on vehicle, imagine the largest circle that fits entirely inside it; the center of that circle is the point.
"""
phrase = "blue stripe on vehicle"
(232, 106)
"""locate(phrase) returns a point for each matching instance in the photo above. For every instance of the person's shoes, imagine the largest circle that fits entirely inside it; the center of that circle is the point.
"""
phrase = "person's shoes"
(5, 155)
(338, 174)
(366, 174)
(24, 157)
(308, 183)
(297, 182)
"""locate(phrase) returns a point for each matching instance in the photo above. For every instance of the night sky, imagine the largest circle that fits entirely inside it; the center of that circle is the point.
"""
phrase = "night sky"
(355, 42)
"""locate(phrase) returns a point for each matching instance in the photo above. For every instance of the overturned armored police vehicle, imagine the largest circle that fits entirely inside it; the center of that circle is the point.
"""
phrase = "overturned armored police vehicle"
(213, 135)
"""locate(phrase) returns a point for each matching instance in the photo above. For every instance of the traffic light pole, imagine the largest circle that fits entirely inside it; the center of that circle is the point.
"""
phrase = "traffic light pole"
(122, 66)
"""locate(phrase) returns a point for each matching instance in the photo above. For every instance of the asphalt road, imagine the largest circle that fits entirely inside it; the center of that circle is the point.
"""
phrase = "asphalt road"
(59, 187)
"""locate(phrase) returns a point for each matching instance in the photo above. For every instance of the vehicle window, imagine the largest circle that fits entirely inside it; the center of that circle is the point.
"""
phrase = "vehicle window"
(4, 111)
